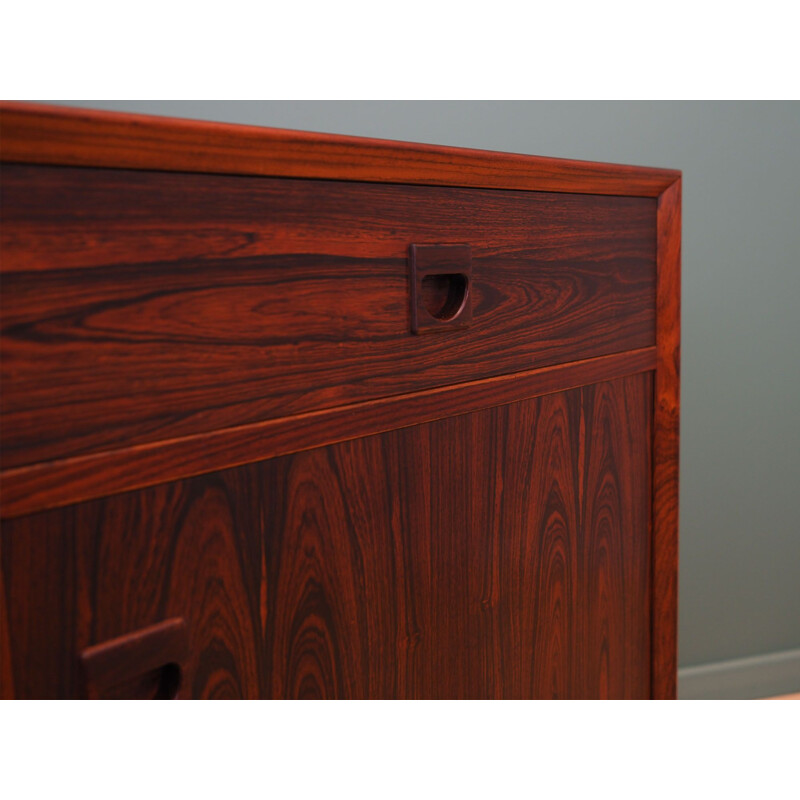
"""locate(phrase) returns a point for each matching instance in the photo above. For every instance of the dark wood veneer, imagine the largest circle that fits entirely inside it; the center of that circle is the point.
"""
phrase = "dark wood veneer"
(93, 572)
(82, 137)
(145, 306)
(226, 460)
(497, 554)
(57, 483)
(147, 663)
(666, 439)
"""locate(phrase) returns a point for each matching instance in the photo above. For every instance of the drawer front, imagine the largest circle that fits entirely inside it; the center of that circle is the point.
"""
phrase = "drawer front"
(141, 306)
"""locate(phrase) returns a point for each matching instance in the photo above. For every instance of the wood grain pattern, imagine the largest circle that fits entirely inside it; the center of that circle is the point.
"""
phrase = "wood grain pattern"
(80, 137)
(488, 512)
(666, 448)
(502, 554)
(145, 306)
(58, 483)
(490, 555)
(616, 503)
(92, 572)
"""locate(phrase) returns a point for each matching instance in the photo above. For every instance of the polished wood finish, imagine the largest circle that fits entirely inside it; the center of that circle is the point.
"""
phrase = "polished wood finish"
(500, 554)
(81, 137)
(6, 674)
(90, 573)
(440, 282)
(666, 439)
(139, 307)
(217, 423)
(146, 664)
(57, 483)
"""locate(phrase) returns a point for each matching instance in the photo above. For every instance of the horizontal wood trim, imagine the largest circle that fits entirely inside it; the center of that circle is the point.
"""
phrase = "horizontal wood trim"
(29, 489)
(40, 134)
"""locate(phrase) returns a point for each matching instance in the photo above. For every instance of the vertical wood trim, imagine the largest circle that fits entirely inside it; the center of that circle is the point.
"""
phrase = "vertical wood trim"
(664, 621)
(6, 675)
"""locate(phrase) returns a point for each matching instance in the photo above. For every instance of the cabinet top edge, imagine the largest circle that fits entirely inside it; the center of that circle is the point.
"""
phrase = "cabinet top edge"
(64, 136)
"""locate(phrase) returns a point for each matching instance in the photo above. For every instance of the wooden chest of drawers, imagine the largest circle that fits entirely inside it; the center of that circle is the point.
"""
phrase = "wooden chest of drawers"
(291, 415)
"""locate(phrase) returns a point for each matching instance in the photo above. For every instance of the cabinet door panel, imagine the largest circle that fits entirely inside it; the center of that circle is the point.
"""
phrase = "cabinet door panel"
(498, 554)
(84, 575)
(503, 553)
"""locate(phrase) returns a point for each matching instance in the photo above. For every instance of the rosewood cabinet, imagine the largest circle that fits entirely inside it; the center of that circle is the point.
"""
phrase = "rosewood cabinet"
(288, 415)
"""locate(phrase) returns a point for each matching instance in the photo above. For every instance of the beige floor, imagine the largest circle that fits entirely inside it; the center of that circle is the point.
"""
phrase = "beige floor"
(786, 697)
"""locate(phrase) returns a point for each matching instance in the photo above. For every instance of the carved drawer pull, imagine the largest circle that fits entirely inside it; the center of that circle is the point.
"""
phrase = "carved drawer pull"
(145, 664)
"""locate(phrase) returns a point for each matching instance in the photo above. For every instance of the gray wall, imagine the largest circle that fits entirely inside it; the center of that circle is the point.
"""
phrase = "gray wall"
(740, 445)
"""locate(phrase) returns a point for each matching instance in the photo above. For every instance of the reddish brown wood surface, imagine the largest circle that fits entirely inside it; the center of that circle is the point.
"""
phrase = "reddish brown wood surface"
(159, 324)
(440, 292)
(138, 307)
(146, 664)
(93, 572)
(58, 483)
(502, 553)
(666, 446)
(6, 672)
(80, 137)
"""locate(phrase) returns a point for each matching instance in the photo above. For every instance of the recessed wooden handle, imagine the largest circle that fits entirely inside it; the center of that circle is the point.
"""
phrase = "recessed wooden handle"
(440, 287)
(145, 664)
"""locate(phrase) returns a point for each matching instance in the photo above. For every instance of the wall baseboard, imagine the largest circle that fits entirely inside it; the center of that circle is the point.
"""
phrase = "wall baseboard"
(742, 678)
